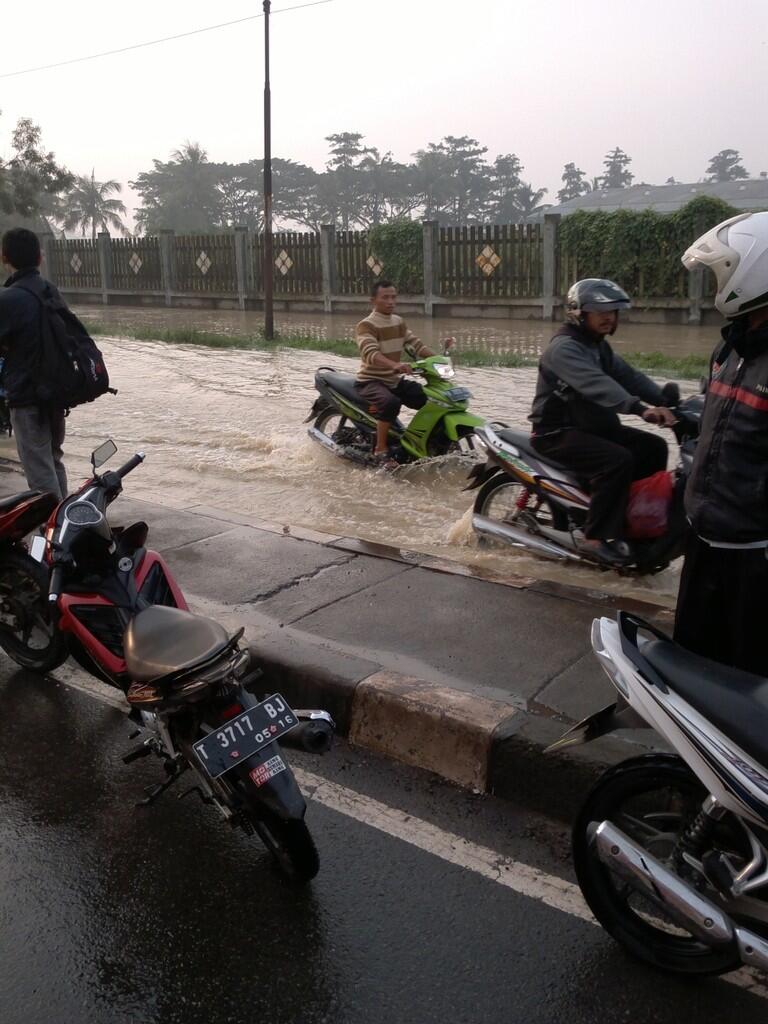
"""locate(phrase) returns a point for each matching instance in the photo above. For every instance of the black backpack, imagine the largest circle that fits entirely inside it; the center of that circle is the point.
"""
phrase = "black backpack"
(70, 367)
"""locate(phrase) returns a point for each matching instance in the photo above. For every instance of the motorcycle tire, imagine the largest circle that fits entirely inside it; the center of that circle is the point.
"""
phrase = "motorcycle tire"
(23, 598)
(640, 929)
(495, 486)
(291, 845)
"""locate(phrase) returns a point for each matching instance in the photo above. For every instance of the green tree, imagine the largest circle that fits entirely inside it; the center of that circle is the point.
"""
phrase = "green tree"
(503, 201)
(31, 181)
(617, 173)
(88, 206)
(180, 194)
(726, 166)
(453, 179)
(575, 184)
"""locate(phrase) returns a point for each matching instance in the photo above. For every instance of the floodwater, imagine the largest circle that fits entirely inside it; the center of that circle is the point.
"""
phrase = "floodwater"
(525, 337)
(224, 427)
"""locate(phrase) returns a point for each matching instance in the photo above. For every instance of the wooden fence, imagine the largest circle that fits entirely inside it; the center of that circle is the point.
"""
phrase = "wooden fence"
(205, 263)
(135, 264)
(491, 261)
(522, 265)
(298, 266)
(76, 263)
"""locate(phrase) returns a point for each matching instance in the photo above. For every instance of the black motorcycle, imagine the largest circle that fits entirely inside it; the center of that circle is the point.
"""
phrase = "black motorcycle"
(531, 502)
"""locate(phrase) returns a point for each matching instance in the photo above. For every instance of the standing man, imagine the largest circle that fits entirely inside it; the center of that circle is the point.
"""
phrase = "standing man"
(723, 599)
(382, 338)
(39, 429)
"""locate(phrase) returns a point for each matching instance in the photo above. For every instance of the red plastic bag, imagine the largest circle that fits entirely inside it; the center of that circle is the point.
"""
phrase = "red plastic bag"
(648, 506)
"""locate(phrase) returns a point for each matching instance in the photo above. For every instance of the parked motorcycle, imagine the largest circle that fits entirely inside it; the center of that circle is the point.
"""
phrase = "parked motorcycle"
(531, 502)
(343, 425)
(95, 592)
(671, 850)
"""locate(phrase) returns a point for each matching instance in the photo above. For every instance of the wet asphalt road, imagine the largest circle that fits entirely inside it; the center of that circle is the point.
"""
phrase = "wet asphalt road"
(114, 914)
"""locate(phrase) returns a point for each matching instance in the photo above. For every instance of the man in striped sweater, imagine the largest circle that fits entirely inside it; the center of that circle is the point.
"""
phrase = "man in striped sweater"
(382, 338)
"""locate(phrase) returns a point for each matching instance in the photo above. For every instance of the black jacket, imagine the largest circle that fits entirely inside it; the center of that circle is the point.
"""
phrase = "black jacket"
(583, 384)
(727, 494)
(20, 336)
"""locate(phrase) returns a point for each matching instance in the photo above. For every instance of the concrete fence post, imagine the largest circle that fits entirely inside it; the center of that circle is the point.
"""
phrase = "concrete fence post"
(49, 265)
(167, 263)
(241, 264)
(549, 265)
(431, 237)
(104, 245)
(328, 264)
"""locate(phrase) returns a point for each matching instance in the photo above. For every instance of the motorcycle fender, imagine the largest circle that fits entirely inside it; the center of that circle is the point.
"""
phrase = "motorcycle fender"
(480, 473)
(320, 405)
(273, 783)
(453, 420)
(607, 720)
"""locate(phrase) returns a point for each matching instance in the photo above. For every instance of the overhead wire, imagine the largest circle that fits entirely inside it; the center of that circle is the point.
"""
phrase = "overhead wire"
(156, 42)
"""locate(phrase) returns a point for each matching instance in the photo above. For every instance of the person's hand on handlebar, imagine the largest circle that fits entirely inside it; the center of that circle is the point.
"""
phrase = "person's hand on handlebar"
(403, 368)
(660, 415)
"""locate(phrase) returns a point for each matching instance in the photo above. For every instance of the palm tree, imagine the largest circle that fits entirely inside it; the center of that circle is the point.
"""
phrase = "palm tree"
(528, 199)
(87, 205)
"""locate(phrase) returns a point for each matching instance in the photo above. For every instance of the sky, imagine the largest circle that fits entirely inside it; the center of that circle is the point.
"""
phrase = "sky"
(669, 81)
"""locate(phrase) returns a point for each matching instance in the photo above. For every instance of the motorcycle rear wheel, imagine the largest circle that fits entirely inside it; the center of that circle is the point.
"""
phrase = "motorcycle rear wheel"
(26, 632)
(336, 426)
(291, 845)
(652, 799)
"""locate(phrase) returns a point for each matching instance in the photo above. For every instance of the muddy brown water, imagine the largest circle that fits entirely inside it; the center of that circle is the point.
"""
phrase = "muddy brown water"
(225, 427)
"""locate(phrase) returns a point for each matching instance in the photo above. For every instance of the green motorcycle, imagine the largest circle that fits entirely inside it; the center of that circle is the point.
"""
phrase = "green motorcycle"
(342, 424)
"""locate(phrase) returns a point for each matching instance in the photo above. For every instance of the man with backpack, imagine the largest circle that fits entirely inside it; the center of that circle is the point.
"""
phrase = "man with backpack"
(50, 362)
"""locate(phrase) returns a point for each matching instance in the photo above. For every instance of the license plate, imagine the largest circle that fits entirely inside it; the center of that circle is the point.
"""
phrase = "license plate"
(237, 739)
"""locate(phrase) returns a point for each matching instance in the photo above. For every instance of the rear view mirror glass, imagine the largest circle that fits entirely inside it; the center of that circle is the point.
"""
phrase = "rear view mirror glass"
(103, 454)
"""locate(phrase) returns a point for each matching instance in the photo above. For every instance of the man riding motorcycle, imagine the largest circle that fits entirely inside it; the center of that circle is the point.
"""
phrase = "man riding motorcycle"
(582, 386)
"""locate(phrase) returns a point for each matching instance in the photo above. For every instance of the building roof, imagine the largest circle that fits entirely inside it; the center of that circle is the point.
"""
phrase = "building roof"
(751, 194)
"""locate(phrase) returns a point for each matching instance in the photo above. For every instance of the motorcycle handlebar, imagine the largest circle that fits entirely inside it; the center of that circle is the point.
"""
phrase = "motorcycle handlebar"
(55, 583)
(131, 464)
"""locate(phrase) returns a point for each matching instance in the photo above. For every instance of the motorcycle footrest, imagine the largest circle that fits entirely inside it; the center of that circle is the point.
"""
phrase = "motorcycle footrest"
(142, 750)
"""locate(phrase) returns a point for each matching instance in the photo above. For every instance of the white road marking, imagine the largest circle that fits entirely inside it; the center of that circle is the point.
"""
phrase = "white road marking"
(454, 849)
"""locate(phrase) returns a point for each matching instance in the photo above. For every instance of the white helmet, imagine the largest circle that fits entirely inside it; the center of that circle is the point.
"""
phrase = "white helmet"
(737, 253)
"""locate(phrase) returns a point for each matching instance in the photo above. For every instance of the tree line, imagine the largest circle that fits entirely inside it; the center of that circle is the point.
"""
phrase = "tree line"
(452, 181)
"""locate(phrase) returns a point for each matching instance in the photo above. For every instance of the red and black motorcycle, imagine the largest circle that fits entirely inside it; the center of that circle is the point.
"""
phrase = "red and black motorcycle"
(96, 593)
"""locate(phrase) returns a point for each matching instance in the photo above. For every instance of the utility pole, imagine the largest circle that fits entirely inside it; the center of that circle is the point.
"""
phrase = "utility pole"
(269, 321)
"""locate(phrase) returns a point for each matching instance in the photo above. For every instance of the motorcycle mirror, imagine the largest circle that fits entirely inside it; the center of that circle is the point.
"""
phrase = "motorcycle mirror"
(103, 454)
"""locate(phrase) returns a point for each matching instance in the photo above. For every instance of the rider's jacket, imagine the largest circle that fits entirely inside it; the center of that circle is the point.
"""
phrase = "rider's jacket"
(727, 494)
(583, 384)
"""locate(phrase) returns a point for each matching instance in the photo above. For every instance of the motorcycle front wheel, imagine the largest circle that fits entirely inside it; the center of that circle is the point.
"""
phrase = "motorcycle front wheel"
(652, 799)
(26, 633)
(507, 500)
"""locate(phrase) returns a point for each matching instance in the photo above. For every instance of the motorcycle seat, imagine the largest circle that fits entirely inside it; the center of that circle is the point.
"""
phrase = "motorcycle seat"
(519, 439)
(736, 702)
(7, 504)
(344, 383)
(163, 642)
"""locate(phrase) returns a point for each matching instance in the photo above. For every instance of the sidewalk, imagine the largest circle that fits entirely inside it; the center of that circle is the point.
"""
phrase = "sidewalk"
(416, 658)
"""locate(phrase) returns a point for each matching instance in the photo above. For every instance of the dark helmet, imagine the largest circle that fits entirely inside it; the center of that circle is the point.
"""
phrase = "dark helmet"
(594, 295)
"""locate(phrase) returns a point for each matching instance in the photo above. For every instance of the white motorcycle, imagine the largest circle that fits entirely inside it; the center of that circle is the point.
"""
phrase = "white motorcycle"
(671, 850)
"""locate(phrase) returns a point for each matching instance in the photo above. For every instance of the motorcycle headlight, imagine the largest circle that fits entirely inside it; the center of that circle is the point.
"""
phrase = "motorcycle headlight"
(444, 370)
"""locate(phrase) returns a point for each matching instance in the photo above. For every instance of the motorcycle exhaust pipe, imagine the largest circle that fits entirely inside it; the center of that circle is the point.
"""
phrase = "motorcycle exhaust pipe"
(688, 908)
(314, 733)
(521, 538)
(324, 440)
